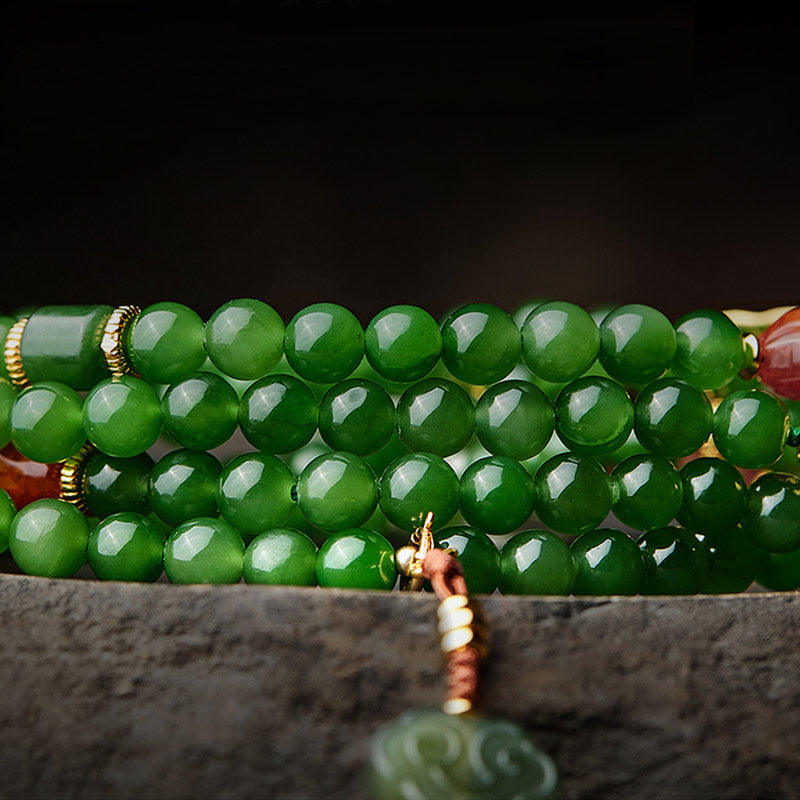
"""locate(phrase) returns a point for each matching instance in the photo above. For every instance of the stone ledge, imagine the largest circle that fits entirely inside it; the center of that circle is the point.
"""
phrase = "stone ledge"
(128, 690)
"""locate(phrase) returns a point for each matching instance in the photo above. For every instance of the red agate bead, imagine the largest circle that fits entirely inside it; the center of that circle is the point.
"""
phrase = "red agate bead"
(26, 480)
(779, 355)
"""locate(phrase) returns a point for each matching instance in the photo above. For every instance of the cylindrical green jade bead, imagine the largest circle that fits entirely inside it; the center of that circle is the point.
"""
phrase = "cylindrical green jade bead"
(480, 344)
(204, 550)
(709, 350)
(672, 418)
(606, 562)
(278, 414)
(750, 428)
(514, 419)
(200, 412)
(356, 559)
(594, 416)
(675, 562)
(113, 485)
(48, 538)
(648, 492)
(496, 495)
(254, 492)
(62, 344)
(281, 557)
(560, 341)
(183, 486)
(122, 416)
(46, 422)
(403, 343)
(7, 513)
(477, 554)
(357, 416)
(337, 491)
(714, 496)
(779, 572)
(126, 547)
(435, 416)
(165, 343)
(637, 343)
(8, 395)
(733, 561)
(244, 339)
(324, 343)
(415, 484)
(573, 493)
(772, 520)
(536, 562)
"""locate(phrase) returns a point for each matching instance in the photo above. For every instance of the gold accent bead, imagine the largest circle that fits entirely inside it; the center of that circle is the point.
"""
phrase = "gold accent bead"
(71, 477)
(405, 558)
(750, 344)
(11, 354)
(456, 705)
(112, 342)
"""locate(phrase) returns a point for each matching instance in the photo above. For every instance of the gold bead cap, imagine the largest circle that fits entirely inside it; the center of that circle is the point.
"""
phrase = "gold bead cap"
(71, 477)
(112, 342)
(12, 356)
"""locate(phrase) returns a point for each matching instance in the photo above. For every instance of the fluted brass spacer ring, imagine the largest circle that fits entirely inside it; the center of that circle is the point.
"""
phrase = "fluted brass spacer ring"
(71, 477)
(112, 342)
(12, 356)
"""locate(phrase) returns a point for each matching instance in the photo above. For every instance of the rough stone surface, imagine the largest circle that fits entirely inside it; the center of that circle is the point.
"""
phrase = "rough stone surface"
(127, 691)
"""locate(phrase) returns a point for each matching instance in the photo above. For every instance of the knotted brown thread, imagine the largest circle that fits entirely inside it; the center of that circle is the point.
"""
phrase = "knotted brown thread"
(447, 578)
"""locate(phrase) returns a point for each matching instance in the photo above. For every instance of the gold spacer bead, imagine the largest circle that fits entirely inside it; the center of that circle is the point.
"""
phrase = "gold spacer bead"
(12, 356)
(751, 349)
(456, 706)
(71, 477)
(112, 345)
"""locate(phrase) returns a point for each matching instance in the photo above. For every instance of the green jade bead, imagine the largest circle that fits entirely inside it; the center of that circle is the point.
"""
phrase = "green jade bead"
(427, 753)
(594, 416)
(200, 412)
(244, 339)
(779, 572)
(637, 343)
(48, 538)
(281, 557)
(8, 395)
(480, 344)
(278, 414)
(165, 343)
(477, 554)
(183, 486)
(403, 343)
(675, 562)
(324, 343)
(204, 550)
(496, 495)
(648, 491)
(254, 492)
(514, 419)
(113, 485)
(6, 323)
(573, 493)
(415, 484)
(536, 562)
(732, 561)
(62, 344)
(607, 562)
(122, 416)
(46, 422)
(337, 491)
(126, 547)
(750, 428)
(7, 512)
(356, 416)
(772, 520)
(672, 418)
(435, 416)
(714, 496)
(560, 341)
(356, 559)
(709, 352)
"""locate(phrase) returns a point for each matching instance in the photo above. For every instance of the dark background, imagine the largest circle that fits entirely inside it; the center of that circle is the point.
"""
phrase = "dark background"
(375, 153)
